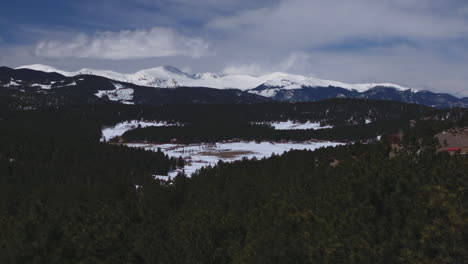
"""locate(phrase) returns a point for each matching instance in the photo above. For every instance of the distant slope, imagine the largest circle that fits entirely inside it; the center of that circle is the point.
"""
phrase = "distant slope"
(51, 88)
(170, 77)
(310, 94)
(151, 86)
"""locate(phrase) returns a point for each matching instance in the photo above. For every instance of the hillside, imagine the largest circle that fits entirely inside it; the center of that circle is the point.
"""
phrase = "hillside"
(67, 197)
(169, 85)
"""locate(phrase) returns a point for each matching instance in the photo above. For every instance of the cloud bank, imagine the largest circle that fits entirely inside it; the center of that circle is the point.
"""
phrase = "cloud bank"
(126, 44)
(421, 44)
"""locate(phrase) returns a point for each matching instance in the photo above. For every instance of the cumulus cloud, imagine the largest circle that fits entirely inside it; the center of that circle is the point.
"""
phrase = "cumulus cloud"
(126, 44)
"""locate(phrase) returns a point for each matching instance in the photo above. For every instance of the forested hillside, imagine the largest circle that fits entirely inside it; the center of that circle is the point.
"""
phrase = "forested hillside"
(294, 208)
(350, 119)
(62, 147)
(68, 198)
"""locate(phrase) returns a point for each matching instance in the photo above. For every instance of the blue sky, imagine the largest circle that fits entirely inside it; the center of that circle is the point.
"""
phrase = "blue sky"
(417, 43)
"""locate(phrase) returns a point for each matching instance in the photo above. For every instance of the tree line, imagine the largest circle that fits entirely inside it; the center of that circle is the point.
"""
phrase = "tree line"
(67, 198)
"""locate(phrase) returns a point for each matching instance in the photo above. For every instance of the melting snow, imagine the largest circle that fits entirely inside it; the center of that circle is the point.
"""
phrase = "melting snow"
(118, 130)
(198, 156)
(43, 86)
(266, 92)
(12, 83)
(120, 94)
(292, 125)
(70, 84)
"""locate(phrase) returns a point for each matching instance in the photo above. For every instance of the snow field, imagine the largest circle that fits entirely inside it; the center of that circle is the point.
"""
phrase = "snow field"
(120, 94)
(293, 125)
(201, 155)
(118, 130)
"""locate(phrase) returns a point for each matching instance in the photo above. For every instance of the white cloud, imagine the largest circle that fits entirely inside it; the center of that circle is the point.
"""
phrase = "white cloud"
(297, 62)
(419, 68)
(126, 44)
(244, 69)
(415, 67)
(302, 24)
(415, 43)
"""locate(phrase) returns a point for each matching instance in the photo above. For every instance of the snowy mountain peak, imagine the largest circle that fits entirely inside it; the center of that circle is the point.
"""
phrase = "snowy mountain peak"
(163, 72)
(289, 81)
(39, 67)
(43, 68)
(206, 75)
(169, 77)
(283, 83)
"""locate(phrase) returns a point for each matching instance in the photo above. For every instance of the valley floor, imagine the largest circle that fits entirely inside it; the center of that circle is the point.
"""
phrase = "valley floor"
(201, 155)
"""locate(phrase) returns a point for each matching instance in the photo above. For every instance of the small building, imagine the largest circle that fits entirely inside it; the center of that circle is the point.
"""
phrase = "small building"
(454, 150)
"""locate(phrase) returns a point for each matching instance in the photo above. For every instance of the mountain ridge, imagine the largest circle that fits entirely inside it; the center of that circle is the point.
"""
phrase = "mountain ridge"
(142, 87)
(170, 77)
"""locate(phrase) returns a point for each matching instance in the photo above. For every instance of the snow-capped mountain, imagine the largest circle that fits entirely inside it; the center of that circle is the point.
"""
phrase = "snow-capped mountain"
(161, 77)
(49, 87)
(171, 77)
(150, 87)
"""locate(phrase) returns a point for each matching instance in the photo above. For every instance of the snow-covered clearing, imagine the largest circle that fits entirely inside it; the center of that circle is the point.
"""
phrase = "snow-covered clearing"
(12, 83)
(118, 130)
(120, 94)
(197, 156)
(294, 125)
(43, 86)
(66, 85)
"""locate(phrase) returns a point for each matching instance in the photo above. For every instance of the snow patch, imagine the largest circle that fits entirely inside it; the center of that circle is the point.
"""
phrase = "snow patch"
(293, 125)
(70, 84)
(119, 129)
(120, 94)
(197, 156)
(43, 86)
(170, 176)
(266, 92)
(12, 83)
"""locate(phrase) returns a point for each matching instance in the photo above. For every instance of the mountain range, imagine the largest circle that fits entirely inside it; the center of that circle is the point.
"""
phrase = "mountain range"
(167, 84)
